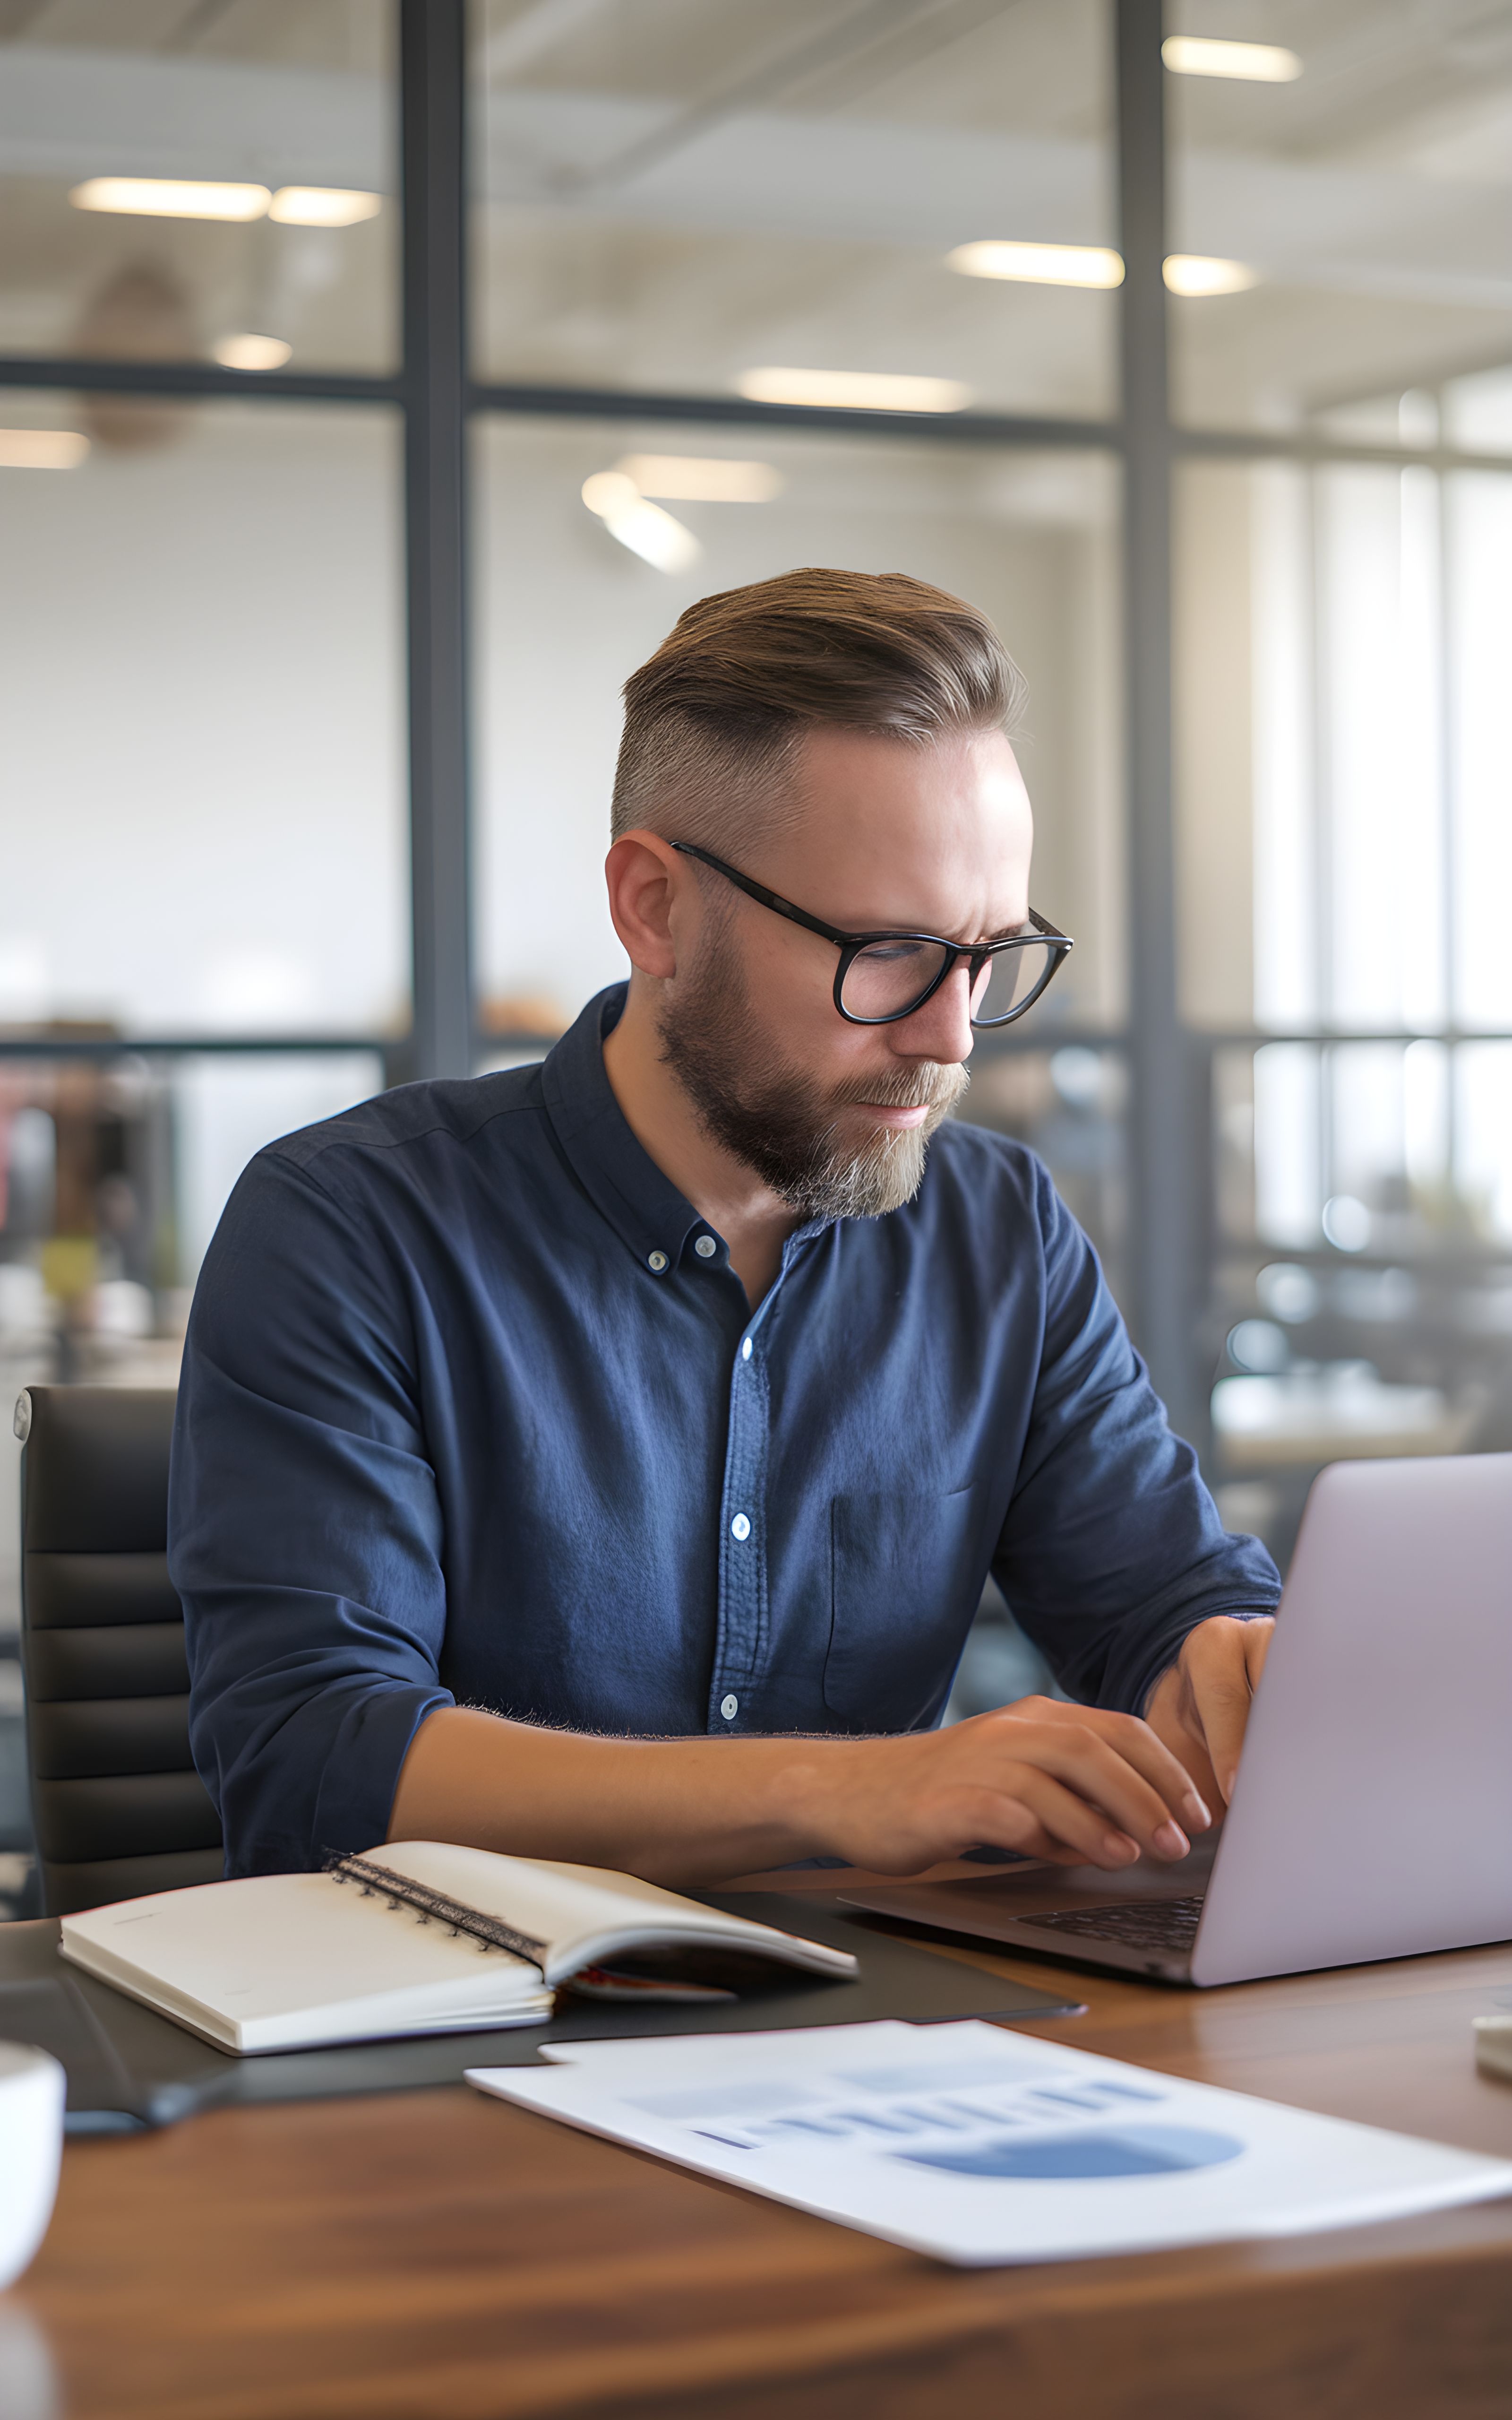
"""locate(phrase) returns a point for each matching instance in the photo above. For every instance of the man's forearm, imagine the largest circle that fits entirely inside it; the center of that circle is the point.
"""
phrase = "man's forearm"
(684, 1810)
(1071, 1783)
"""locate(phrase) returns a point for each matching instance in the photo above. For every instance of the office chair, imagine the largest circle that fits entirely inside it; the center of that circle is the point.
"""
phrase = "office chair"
(116, 1803)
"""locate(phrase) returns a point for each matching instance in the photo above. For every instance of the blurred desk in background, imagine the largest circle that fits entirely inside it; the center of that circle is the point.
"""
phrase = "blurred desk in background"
(1340, 1413)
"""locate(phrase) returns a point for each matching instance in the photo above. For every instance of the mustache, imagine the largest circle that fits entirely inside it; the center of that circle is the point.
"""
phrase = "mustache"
(930, 1087)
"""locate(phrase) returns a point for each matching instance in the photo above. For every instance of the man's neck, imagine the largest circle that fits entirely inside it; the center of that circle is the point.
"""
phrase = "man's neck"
(754, 1222)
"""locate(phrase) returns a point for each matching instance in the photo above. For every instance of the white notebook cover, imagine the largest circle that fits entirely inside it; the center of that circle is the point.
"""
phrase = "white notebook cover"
(286, 1962)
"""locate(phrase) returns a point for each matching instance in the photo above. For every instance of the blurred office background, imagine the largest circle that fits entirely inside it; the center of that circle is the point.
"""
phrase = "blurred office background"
(347, 468)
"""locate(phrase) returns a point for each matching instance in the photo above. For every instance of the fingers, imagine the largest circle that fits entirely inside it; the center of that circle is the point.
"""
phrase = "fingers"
(1224, 1659)
(1166, 1720)
(1120, 1746)
(1111, 1762)
(1159, 1764)
(1095, 1772)
(1063, 1826)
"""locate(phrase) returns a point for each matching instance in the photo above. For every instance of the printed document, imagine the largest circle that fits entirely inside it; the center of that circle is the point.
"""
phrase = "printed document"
(978, 2144)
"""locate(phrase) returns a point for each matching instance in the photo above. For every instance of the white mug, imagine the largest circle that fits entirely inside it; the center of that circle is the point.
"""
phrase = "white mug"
(32, 2089)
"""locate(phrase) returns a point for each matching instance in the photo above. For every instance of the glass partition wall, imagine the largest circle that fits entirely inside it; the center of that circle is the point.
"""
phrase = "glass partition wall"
(1343, 613)
(1344, 698)
(379, 378)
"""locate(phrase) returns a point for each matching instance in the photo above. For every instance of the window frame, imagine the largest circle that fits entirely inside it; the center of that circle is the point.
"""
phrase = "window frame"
(1172, 1241)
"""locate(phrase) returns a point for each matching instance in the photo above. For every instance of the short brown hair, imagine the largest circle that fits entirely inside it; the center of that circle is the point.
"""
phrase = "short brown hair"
(719, 707)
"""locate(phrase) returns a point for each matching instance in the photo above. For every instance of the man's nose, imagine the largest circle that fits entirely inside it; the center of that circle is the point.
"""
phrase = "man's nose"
(942, 1029)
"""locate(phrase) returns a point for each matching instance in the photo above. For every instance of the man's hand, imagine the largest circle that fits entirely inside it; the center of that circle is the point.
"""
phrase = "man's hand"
(1070, 1784)
(1200, 1706)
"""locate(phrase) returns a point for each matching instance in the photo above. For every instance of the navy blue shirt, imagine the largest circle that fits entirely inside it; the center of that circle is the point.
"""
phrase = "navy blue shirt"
(474, 1409)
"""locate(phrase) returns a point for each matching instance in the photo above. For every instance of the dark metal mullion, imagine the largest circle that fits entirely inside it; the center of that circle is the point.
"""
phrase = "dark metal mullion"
(1009, 428)
(1166, 1185)
(1320, 757)
(432, 90)
(1267, 446)
(19, 1045)
(206, 381)
(1006, 429)
(1450, 816)
(528, 400)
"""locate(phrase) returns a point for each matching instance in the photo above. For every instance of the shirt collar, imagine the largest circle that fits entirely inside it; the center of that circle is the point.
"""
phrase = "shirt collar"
(644, 1208)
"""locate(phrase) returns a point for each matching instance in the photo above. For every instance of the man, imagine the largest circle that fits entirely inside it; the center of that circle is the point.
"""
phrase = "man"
(604, 1460)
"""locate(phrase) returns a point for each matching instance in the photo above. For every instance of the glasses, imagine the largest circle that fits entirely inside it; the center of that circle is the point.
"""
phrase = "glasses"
(885, 976)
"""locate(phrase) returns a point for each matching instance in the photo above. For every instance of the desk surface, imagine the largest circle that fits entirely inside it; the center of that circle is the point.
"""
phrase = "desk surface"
(439, 2252)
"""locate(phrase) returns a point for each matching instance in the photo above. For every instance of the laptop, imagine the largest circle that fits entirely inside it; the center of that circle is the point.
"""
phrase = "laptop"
(1372, 1816)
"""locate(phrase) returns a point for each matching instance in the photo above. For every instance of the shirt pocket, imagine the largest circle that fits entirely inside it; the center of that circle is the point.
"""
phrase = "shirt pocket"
(906, 1577)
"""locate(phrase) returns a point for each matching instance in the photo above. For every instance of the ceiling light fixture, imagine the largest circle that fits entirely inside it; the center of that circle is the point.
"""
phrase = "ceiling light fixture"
(703, 478)
(41, 449)
(656, 536)
(322, 206)
(854, 390)
(1195, 273)
(170, 197)
(249, 352)
(1038, 264)
(1244, 62)
(1091, 265)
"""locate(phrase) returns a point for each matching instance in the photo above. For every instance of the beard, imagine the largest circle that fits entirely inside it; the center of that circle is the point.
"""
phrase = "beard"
(782, 1124)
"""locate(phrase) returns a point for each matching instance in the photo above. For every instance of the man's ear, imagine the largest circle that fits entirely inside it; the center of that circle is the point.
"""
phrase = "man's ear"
(644, 875)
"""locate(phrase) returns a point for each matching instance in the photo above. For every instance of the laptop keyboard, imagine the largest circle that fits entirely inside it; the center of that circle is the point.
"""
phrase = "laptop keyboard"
(1169, 1924)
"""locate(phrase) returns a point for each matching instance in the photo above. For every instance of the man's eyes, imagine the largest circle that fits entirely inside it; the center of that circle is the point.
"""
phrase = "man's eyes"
(892, 953)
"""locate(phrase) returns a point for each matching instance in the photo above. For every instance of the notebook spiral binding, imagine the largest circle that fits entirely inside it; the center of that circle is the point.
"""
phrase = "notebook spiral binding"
(434, 1906)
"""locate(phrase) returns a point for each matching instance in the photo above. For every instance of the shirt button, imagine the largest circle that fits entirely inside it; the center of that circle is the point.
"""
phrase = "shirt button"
(657, 1260)
(705, 1248)
(745, 1350)
(740, 1527)
(730, 1708)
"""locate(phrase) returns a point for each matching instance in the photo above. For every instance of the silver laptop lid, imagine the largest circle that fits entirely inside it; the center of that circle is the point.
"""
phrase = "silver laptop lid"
(1372, 1817)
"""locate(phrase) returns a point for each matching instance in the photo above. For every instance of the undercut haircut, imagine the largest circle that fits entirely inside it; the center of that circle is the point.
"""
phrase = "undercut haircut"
(713, 721)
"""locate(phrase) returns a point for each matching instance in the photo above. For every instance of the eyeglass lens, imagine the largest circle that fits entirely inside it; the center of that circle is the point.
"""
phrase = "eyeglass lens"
(1014, 977)
(889, 977)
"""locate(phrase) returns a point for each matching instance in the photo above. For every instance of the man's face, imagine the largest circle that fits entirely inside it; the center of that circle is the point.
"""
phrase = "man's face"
(834, 1117)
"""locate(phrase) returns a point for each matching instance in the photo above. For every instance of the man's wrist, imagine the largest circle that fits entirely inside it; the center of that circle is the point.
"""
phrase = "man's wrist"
(801, 1791)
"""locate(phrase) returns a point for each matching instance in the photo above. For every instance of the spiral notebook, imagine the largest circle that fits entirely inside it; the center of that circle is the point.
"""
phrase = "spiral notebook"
(421, 1937)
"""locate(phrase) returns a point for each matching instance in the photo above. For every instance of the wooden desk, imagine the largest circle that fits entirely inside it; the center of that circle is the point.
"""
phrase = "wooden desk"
(438, 2253)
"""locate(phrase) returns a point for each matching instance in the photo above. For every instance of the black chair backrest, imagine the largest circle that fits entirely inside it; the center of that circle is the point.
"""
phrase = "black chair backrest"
(118, 1805)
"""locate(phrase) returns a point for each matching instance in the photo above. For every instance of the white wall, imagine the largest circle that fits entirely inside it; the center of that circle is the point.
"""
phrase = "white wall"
(201, 798)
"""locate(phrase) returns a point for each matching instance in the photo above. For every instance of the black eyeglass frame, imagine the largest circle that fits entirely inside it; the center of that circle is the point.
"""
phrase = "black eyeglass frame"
(850, 946)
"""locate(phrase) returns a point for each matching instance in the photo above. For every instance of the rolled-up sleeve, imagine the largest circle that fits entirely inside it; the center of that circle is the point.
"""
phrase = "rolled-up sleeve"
(305, 1529)
(1113, 1548)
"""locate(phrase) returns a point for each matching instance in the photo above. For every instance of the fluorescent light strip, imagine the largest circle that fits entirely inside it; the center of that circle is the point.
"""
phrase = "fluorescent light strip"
(325, 206)
(1088, 265)
(1195, 273)
(657, 537)
(1243, 62)
(1038, 264)
(175, 197)
(251, 352)
(170, 197)
(41, 449)
(701, 479)
(854, 390)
